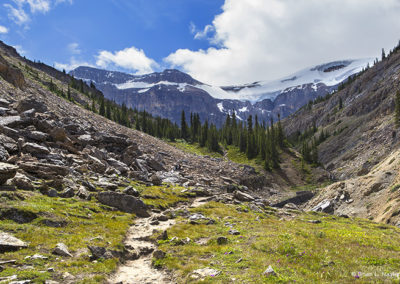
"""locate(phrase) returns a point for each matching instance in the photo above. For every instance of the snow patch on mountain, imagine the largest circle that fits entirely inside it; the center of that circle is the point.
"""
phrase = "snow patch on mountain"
(220, 107)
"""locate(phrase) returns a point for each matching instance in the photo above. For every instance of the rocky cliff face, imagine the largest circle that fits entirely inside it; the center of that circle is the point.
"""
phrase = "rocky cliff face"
(362, 145)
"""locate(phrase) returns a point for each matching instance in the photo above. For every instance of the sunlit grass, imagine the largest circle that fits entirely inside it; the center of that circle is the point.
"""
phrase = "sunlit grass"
(297, 250)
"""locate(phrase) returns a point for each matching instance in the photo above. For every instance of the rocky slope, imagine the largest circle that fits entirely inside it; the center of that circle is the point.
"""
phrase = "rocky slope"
(363, 138)
(61, 164)
(164, 93)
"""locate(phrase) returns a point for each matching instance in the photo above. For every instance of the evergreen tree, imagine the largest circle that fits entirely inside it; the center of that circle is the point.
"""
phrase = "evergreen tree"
(340, 103)
(102, 110)
(204, 134)
(383, 54)
(108, 110)
(280, 137)
(184, 127)
(94, 106)
(69, 93)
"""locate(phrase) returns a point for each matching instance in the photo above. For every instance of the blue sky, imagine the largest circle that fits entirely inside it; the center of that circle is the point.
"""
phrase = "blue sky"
(82, 28)
(216, 41)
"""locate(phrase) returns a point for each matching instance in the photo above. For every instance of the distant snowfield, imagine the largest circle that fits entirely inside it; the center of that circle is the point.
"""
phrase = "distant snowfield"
(329, 74)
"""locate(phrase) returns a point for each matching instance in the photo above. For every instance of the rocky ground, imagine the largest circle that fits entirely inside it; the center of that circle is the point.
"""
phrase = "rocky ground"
(64, 152)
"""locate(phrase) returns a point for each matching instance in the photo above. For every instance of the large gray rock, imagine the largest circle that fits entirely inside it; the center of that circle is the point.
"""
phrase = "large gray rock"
(35, 149)
(10, 243)
(38, 136)
(96, 165)
(7, 171)
(241, 196)
(44, 170)
(31, 103)
(326, 206)
(11, 121)
(120, 166)
(123, 202)
(8, 143)
(61, 250)
(3, 154)
(22, 182)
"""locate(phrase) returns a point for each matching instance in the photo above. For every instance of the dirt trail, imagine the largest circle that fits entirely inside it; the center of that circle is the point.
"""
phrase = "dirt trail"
(140, 270)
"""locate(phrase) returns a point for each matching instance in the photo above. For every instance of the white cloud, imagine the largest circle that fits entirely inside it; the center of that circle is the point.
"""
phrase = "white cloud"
(128, 58)
(74, 48)
(3, 30)
(42, 6)
(73, 63)
(18, 14)
(20, 50)
(268, 39)
(201, 34)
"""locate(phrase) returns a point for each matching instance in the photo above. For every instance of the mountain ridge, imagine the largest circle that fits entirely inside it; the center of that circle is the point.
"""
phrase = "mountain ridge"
(162, 93)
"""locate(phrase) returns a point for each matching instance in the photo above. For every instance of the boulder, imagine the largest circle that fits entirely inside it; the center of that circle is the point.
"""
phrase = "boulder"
(130, 154)
(241, 196)
(22, 182)
(3, 154)
(155, 165)
(96, 165)
(8, 143)
(83, 193)
(97, 252)
(37, 136)
(7, 171)
(200, 274)
(10, 243)
(123, 202)
(61, 250)
(35, 149)
(222, 240)
(31, 103)
(69, 192)
(11, 121)
(44, 170)
(131, 191)
(326, 206)
(120, 166)
(269, 271)
(86, 139)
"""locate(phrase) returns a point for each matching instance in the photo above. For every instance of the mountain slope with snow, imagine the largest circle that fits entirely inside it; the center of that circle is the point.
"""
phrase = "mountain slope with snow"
(167, 93)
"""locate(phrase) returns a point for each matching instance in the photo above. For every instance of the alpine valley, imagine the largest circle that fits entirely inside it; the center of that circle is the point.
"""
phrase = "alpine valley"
(103, 178)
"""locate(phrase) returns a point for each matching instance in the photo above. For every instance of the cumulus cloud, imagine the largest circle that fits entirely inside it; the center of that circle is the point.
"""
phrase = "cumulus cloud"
(129, 58)
(74, 48)
(73, 63)
(267, 39)
(3, 30)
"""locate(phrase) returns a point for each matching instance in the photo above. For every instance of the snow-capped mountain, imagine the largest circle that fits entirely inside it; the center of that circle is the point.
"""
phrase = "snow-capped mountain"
(167, 93)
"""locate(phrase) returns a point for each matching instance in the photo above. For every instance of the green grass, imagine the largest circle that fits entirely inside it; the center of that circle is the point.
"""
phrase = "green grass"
(234, 154)
(194, 149)
(162, 197)
(298, 251)
(86, 220)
